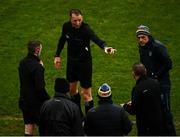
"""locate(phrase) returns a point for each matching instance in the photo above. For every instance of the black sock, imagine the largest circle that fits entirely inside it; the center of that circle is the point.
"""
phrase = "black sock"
(27, 134)
(77, 100)
(89, 105)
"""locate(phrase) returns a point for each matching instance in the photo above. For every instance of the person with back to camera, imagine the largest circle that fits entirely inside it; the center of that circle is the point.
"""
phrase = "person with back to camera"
(146, 103)
(32, 86)
(106, 119)
(59, 116)
(78, 35)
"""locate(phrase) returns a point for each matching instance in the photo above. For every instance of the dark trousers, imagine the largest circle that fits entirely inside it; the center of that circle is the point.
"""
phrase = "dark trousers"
(166, 108)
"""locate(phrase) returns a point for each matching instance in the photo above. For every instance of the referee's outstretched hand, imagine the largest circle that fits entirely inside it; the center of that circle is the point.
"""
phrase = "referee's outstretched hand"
(109, 50)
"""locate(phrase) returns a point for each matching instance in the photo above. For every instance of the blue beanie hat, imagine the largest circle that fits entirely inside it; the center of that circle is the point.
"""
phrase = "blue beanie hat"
(142, 30)
(104, 90)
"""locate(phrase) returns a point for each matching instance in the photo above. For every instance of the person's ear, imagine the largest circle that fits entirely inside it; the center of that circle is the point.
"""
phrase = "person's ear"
(133, 74)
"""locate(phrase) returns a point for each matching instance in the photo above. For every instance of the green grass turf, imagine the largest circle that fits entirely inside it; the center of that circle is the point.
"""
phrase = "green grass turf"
(114, 21)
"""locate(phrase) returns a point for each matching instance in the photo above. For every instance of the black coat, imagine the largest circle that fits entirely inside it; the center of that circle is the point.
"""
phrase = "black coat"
(32, 84)
(107, 119)
(59, 116)
(155, 58)
(147, 107)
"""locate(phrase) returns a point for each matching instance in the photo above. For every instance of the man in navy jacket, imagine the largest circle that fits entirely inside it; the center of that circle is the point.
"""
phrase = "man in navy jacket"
(107, 119)
(154, 55)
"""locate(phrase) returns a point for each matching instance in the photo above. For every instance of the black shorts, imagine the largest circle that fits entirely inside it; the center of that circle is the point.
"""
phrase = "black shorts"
(80, 71)
(31, 117)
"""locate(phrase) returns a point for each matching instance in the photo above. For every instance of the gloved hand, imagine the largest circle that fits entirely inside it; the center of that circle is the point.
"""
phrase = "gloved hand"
(109, 50)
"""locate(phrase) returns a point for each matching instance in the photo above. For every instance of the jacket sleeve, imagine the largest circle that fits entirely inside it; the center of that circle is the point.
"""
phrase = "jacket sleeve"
(61, 42)
(95, 38)
(88, 129)
(127, 124)
(77, 129)
(166, 61)
(131, 109)
(40, 83)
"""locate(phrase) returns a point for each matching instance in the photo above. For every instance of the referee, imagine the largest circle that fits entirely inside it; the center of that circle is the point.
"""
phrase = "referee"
(79, 60)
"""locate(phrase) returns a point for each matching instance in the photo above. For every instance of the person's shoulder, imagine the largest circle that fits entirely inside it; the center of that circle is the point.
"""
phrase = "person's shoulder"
(70, 102)
(119, 107)
(158, 44)
(85, 25)
(149, 83)
(159, 47)
(67, 24)
(92, 110)
(22, 60)
(31, 63)
(48, 103)
(26, 58)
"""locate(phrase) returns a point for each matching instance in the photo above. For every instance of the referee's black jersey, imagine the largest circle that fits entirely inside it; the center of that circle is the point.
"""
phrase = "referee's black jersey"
(78, 41)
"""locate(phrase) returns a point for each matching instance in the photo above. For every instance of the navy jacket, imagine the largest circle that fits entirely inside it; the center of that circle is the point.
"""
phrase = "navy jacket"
(107, 119)
(155, 57)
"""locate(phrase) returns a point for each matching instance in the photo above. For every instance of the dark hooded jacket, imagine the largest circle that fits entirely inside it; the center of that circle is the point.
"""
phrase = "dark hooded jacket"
(59, 116)
(155, 58)
(107, 119)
